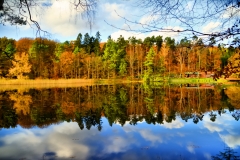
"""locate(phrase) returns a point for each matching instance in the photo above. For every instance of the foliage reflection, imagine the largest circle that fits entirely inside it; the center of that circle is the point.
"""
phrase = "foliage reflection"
(118, 103)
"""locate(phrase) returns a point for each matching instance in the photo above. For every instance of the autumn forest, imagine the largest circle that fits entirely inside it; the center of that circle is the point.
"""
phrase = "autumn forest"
(89, 58)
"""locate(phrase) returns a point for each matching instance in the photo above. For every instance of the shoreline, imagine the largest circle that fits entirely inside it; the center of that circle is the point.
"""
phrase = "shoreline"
(103, 81)
(6, 84)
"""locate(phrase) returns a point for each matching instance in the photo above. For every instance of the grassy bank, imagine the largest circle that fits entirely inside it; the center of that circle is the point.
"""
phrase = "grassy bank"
(6, 84)
(44, 81)
(196, 80)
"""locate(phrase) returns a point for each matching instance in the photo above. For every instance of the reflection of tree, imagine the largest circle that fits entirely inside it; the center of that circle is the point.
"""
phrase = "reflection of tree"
(236, 115)
(91, 118)
(154, 118)
(22, 102)
(149, 99)
(115, 109)
(68, 107)
(79, 120)
(118, 103)
(171, 116)
(233, 95)
(225, 100)
(186, 116)
(134, 119)
(228, 154)
(8, 117)
(195, 116)
(213, 116)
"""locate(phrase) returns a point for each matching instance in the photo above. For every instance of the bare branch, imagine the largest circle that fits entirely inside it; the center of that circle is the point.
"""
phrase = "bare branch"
(188, 14)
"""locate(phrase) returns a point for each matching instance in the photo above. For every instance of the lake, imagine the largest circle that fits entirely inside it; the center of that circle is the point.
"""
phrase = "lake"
(122, 121)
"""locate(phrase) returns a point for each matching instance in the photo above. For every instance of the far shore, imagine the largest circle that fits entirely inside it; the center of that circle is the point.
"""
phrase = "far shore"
(6, 84)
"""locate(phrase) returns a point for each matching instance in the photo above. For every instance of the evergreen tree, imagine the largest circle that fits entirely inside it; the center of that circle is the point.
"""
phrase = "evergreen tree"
(149, 65)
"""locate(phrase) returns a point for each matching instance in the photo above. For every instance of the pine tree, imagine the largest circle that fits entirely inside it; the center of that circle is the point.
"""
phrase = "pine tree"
(149, 65)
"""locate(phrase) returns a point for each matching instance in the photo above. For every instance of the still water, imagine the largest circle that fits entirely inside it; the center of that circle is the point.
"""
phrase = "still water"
(120, 122)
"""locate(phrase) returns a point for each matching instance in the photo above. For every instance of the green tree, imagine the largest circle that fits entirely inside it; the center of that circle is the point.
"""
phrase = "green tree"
(96, 42)
(42, 55)
(159, 42)
(78, 42)
(7, 50)
(114, 55)
(86, 43)
(148, 74)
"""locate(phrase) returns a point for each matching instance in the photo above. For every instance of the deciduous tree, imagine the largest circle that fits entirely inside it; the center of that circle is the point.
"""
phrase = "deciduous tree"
(21, 66)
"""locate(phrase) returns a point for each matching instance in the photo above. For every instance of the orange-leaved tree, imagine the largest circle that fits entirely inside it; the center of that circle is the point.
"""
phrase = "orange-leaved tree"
(66, 63)
(21, 66)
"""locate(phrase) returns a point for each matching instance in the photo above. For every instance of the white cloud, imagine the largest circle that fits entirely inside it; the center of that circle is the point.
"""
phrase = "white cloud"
(231, 12)
(222, 123)
(189, 5)
(60, 18)
(148, 19)
(180, 134)
(208, 156)
(191, 149)
(113, 10)
(211, 27)
(148, 135)
(139, 35)
(232, 141)
(116, 145)
(126, 34)
(213, 127)
(174, 124)
(58, 139)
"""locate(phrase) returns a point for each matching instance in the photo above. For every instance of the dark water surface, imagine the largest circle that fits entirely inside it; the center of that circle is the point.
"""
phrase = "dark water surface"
(120, 122)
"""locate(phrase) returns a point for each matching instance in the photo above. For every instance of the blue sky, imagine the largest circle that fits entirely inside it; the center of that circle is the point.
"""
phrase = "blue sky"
(64, 23)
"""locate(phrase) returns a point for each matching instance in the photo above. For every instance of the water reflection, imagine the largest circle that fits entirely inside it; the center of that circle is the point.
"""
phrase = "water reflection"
(228, 153)
(134, 120)
(119, 104)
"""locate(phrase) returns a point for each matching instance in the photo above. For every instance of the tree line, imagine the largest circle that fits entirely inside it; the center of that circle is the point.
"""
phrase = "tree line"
(89, 58)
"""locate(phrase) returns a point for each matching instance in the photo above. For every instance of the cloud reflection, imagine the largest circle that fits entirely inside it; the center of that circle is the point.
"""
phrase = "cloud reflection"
(66, 140)
(174, 124)
(233, 141)
(61, 139)
(227, 129)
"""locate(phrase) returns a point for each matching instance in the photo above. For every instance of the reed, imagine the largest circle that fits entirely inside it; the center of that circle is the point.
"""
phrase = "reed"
(10, 84)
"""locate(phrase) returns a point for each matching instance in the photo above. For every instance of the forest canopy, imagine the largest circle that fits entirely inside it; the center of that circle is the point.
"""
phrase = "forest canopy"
(86, 57)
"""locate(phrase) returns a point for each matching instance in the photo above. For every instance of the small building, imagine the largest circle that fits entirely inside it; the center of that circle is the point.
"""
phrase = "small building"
(192, 74)
(199, 74)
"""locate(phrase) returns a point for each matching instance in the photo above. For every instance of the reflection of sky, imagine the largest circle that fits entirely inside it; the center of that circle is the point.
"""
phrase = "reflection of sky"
(168, 141)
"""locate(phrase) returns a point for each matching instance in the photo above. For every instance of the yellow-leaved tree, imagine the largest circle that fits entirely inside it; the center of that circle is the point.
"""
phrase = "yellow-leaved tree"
(20, 66)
